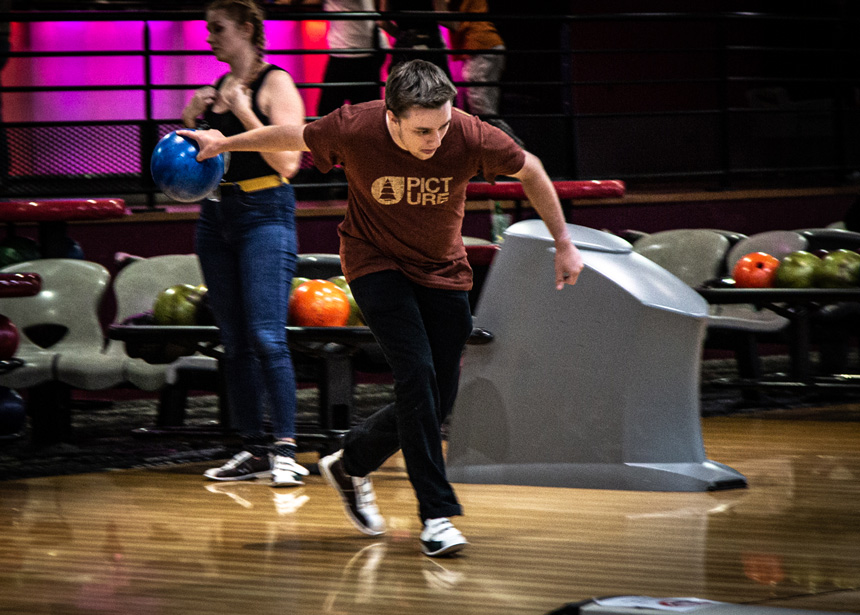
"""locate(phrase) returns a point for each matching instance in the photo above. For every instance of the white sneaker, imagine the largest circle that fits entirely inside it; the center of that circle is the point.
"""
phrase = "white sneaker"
(359, 499)
(439, 538)
(286, 472)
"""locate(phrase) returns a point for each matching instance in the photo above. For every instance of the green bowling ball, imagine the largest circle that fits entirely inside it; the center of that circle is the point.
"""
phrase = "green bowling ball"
(297, 281)
(15, 249)
(178, 305)
(356, 319)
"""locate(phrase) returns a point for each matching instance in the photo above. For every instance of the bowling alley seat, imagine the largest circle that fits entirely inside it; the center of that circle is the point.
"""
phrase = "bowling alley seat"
(697, 257)
(33, 364)
(62, 338)
(693, 255)
(318, 266)
(835, 325)
(776, 243)
(830, 239)
(135, 287)
(149, 367)
(307, 356)
(740, 324)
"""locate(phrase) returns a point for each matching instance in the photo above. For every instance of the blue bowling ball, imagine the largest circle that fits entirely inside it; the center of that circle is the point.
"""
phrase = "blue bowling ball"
(178, 174)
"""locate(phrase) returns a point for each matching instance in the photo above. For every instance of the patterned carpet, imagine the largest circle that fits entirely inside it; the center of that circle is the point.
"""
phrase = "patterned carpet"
(104, 436)
(104, 439)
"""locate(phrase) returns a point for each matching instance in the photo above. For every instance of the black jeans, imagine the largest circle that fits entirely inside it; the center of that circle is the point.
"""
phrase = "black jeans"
(422, 332)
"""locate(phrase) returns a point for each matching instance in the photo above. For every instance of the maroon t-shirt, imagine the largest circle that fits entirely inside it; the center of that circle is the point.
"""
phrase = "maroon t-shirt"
(404, 213)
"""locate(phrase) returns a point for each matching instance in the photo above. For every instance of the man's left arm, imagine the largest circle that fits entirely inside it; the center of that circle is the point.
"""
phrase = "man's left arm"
(542, 195)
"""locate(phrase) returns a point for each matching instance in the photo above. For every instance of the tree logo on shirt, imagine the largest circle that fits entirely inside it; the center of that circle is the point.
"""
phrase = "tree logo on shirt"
(420, 191)
(388, 190)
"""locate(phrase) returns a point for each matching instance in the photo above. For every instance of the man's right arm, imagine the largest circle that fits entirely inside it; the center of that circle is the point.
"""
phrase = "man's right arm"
(264, 139)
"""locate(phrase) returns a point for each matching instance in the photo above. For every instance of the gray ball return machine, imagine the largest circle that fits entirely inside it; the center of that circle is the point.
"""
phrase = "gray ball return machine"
(595, 386)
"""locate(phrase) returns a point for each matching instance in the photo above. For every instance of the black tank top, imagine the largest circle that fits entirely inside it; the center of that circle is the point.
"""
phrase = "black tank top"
(243, 165)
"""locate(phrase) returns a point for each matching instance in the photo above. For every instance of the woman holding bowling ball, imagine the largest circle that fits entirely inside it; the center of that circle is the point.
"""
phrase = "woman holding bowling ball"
(246, 241)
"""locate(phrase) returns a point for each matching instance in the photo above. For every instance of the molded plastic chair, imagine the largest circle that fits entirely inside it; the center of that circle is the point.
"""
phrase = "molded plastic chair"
(368, 358)
(38, 362)
(136, 286)
(62, 342)
(318, 266)
(775, 243)
(697, 256)
(831, 238)
(693, 255)
(834, 326)
(629, 235)
(732, 236)
(68, 304)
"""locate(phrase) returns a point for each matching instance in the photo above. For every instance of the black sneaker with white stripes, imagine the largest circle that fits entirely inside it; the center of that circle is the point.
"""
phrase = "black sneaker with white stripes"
(440, 537)
(243, 466)
(359, 499)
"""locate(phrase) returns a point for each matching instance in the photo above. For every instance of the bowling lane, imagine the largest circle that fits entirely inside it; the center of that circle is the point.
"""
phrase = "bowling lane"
(165, 541)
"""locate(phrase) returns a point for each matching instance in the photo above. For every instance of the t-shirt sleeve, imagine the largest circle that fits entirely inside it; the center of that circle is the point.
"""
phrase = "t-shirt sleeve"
(323, 137)
(500, 155)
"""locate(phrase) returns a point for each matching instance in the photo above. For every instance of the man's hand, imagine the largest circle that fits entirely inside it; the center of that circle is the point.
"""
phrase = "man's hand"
(568, 264)
(211, 142)
(542, 195)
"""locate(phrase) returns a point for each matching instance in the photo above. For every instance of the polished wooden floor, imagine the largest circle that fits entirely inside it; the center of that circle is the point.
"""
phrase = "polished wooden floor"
(165, 541)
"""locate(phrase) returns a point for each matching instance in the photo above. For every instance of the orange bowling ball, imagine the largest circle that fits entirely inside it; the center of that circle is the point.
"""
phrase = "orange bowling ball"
(318, 303)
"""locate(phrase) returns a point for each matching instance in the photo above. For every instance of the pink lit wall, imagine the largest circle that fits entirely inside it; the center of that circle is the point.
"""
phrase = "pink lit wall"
(38, 153)
(73, 71)
(129, 70)
(121, 65)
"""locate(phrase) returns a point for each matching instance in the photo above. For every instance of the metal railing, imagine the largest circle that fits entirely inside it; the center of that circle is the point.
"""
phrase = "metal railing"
(715, 99)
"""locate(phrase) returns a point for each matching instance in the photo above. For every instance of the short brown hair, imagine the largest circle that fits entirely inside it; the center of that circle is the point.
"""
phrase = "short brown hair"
(417, 83)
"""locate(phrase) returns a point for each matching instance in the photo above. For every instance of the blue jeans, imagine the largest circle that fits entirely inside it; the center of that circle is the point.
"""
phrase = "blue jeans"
(247, 249)
(422, 332)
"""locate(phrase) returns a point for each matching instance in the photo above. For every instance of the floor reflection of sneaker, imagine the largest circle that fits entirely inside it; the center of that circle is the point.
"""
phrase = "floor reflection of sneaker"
(359, 499)
(286, 472)
(286, 503)
(440, 538)
(366, 577)
(230, 492)
(243, 466)
(440, 578)
(358, 580)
